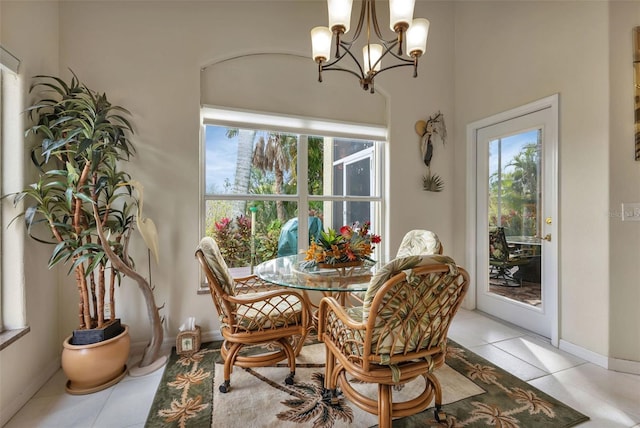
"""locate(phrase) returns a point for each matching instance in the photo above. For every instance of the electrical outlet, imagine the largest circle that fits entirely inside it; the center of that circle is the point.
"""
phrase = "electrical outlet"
(107, 310)
(631, 211)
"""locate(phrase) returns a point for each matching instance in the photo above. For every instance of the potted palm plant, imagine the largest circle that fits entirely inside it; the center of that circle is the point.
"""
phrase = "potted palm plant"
(84, 204)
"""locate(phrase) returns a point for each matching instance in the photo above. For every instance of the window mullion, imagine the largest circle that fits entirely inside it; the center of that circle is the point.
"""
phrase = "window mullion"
(303, 191)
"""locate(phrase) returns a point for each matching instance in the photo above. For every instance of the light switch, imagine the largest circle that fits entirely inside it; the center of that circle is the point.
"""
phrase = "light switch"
(631, 211)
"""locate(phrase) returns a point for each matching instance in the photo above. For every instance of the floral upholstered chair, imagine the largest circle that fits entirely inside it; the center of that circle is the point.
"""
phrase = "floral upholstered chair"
(252, 312)
(419, 241)
(502, 259)
(414, 243)
(400, 333)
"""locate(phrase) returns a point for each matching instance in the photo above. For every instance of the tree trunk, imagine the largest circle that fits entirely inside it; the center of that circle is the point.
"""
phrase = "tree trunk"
(152, 351)
(243, 168)
(80, 271)
(81, 281)
(100, 297)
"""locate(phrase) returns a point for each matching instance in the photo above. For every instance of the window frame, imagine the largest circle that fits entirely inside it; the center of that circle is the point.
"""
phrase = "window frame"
(13, 320)
(304, 127)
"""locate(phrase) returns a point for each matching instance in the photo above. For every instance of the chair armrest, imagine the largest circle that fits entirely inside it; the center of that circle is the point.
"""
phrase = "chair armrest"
(268, 310)
(263, 296)
(252, 284)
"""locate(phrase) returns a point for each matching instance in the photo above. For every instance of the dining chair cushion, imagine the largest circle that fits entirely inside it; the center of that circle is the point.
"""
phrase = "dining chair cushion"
(393, 339)
(417, 242)
(276, 311)
(218, 266)
(402, 264)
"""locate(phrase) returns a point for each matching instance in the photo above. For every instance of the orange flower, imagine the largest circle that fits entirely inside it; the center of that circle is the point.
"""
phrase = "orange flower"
(353, 243)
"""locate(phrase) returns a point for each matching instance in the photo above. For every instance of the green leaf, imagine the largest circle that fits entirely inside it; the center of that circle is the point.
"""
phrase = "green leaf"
(60, 253)
(84, 197)
(69, 198)
(73, 175)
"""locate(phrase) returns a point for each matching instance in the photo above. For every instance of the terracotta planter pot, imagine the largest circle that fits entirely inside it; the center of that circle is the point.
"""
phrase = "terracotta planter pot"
(94, 367)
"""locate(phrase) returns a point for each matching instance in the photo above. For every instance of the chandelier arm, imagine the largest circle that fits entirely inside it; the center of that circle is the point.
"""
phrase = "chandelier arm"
(376, 26)
(331, 68)
(395, 55)
(388, 49)
(358, 30)
(347, 51)
(408, 64)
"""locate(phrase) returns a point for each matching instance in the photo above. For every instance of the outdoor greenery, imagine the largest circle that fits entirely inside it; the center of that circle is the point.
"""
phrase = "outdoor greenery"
(518, 182)
(273, 160)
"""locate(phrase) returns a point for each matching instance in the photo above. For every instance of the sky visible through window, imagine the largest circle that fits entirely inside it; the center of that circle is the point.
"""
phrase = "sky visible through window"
(511, 146)
(221, 156)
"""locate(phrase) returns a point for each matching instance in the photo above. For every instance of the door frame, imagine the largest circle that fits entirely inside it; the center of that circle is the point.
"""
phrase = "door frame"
(471, 192)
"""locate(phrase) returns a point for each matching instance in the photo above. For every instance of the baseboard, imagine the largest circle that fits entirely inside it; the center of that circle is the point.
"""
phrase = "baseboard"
(625, 366)
(210, 336)
(29, 391)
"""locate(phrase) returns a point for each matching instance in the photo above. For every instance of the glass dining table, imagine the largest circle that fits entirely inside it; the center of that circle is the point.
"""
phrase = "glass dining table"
(340, 282)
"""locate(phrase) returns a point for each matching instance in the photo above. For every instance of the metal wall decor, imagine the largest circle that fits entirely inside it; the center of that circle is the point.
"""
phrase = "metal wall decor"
(428, 130)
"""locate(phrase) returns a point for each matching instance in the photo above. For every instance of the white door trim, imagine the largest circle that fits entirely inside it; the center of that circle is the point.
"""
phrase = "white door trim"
(471, 200)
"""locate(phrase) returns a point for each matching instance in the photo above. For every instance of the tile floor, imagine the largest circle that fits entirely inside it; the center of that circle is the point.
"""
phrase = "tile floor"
(609, 398)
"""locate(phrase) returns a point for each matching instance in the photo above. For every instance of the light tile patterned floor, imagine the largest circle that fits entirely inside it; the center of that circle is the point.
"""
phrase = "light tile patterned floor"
(609, 398)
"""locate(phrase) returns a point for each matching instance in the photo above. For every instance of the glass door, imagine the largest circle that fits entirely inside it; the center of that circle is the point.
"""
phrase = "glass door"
(516, 262)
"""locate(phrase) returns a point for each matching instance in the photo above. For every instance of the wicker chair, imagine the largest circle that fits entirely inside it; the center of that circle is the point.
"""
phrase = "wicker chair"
(414, 243)
(417, 242)
(252, 312)
(399, 334)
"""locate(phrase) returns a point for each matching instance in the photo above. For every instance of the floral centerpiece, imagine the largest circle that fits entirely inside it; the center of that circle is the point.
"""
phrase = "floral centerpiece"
(353, 245)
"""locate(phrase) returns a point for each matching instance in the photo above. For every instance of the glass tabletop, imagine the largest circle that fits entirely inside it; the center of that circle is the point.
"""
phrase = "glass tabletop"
(292, 271)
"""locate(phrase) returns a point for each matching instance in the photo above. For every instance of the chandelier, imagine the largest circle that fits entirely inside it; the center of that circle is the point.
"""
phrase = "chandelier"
(409, 31)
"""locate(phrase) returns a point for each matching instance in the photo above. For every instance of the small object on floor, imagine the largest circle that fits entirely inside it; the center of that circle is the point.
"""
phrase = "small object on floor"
(188, 341)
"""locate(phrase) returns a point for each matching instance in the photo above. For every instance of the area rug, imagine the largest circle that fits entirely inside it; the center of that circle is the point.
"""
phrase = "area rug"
(476, 393)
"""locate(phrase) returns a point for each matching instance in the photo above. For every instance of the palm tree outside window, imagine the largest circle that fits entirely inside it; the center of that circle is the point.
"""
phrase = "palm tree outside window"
(514, 188)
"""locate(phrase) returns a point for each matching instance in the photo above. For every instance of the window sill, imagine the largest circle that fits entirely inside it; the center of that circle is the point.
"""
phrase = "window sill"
(7, 337)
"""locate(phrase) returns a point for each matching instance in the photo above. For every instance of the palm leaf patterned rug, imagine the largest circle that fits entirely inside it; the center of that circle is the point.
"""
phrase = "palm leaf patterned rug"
(476, 393)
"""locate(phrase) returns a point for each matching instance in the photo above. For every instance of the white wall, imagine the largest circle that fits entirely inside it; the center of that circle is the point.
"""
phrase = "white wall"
(624, 186)
(411, 207)
(147, 56)
(30, 31)
(511, 53)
